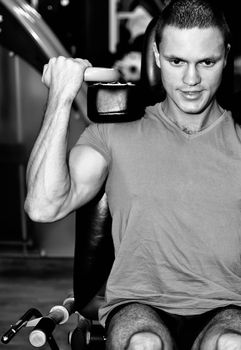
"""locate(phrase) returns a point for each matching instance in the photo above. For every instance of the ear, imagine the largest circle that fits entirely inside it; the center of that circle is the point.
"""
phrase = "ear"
(156, 54)
(226, 53)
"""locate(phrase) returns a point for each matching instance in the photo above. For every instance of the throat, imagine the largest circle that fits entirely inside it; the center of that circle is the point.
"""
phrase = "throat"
(194, 123)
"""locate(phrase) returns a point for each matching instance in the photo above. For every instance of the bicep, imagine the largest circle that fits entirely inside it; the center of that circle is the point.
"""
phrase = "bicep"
(88, 170)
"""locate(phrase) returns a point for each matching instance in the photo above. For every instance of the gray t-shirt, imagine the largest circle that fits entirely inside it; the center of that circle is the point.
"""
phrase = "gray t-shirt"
(175, 201)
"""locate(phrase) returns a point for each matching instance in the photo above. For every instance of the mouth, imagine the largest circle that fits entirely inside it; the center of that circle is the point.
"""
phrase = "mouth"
(191, 94)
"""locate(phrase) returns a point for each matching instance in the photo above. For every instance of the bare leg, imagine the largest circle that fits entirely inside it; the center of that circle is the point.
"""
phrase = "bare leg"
(222, 333)
(137, 326)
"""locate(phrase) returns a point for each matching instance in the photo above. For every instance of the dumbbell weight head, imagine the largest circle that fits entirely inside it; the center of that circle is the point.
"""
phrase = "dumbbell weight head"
(114, 102)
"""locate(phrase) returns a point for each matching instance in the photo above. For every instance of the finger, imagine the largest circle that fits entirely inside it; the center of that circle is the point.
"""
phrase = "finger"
(46, 76)
(85, 61)
(44, 72)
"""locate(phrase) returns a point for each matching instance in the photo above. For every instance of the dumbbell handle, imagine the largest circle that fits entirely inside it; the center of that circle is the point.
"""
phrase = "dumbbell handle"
(98, 74)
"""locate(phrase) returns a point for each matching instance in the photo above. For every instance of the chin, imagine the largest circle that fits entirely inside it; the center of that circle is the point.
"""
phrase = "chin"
(192, 108)
(192, 111)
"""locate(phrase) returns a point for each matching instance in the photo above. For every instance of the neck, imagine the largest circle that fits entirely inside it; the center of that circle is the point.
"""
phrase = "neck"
(193, 123)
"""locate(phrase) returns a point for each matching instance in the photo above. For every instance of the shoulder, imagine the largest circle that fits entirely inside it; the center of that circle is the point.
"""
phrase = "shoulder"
(231, 128)
(111, 132)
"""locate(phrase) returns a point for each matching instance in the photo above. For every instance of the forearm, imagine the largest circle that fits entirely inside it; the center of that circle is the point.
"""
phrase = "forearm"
(50, 193)
(48, 181)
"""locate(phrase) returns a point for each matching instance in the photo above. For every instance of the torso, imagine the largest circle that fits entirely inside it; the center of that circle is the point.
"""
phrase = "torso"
(175, 200)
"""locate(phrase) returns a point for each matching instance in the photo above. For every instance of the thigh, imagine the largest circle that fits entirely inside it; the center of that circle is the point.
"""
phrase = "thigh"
(135, 318)
(226, 320)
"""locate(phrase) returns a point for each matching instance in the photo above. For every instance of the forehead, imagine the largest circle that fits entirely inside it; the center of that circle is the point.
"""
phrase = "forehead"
(192, 42)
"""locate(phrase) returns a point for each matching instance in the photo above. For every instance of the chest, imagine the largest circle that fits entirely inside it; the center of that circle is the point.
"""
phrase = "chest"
(174, 172)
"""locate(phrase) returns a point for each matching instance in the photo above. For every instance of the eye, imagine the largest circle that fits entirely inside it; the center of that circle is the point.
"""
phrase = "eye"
(176, 62)
(208, 63)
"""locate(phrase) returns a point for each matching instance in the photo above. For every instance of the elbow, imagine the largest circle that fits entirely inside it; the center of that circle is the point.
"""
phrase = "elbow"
(39, 214)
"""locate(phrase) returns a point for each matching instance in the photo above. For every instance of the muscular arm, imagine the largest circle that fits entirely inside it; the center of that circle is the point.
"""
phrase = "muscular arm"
(57, 185)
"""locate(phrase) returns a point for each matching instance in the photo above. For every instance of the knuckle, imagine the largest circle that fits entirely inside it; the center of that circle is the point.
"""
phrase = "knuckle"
(229, 341)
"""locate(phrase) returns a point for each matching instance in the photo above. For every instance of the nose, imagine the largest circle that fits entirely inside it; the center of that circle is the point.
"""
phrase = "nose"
(191, 75)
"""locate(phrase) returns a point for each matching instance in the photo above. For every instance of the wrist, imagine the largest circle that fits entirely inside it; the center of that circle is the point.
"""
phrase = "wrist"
(60, 100)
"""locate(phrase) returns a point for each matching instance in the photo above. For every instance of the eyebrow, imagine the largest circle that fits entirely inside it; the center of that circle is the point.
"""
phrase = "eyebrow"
(211, 57)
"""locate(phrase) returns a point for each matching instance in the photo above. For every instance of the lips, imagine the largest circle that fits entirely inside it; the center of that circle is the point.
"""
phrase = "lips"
(191, 94)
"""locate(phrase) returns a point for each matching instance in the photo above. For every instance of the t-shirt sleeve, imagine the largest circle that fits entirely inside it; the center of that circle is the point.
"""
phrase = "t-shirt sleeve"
(96, 136)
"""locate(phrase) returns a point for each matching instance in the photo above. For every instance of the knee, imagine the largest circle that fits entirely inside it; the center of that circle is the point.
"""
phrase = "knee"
(229, 341)
(145, 341)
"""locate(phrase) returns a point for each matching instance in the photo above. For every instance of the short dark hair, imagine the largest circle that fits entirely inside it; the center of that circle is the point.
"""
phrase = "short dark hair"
(187, 14)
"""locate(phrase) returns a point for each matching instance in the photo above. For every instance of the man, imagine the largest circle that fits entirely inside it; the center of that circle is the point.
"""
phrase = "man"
(173, 187)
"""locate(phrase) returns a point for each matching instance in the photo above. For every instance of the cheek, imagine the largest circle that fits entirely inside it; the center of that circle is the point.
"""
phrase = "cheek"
(169, 79)
(213, 76)
(213, 80)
